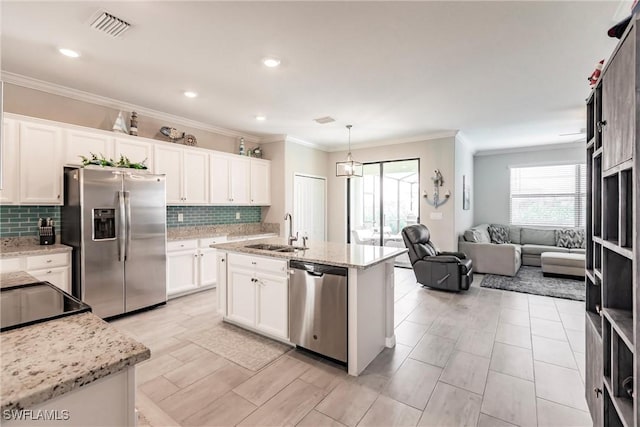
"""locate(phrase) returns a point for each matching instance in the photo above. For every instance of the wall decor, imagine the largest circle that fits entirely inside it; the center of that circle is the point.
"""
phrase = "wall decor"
(466, 193)
(102, 161)
(133, 126)
(119, 125)
(172, 133)
(438, 181)
(190, 140)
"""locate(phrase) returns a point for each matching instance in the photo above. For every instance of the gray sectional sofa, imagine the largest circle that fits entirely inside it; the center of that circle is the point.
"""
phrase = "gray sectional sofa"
(527, 243)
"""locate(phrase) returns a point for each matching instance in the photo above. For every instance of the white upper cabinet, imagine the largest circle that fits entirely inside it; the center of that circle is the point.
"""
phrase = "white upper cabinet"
(195, 177)
(40, 147)
(260, 182)
(135, 151)
(230, 179)
(187, 174)
(168, 160)
(80, 143)
(9, 189)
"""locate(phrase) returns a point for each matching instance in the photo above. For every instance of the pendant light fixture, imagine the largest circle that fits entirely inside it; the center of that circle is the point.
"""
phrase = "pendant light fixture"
(349, 167)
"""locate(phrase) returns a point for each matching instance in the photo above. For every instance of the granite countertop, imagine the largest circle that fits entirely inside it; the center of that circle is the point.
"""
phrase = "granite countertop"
(16, 278)
(195, 234)
(338, 254)
(46, 360)
(22, 250)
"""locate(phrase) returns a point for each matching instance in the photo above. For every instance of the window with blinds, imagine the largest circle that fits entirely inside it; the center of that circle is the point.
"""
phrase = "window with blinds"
(549, 195)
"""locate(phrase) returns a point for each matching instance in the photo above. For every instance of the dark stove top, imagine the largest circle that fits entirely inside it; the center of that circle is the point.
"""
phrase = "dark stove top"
(25, 305)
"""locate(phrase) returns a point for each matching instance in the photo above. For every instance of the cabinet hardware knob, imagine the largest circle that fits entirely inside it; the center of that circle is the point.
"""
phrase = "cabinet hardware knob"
(48, 261)
(196, 255)
(597, 391)
(49, 272)
(600, 125)
(58, 196)
(222, 260)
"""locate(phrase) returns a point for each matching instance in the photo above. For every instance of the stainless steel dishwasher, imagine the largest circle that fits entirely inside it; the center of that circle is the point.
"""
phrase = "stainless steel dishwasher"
(318, 308)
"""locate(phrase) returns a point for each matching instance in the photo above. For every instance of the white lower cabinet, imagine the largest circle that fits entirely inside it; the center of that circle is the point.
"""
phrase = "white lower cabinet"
(191, 265)
(257, 293)
(53, 268)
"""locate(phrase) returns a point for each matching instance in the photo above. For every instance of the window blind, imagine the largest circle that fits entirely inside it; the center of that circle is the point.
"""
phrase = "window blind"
(548, 195)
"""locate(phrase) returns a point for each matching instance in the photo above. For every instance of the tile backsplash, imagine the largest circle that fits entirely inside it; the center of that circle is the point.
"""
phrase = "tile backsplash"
(20, 221)
(212, 215)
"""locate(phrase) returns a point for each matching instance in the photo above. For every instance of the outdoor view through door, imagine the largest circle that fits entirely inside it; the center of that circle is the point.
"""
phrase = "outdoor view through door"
(383, 202)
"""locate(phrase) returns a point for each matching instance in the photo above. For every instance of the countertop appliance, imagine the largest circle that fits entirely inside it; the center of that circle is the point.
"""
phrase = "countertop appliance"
(115, 220)
(318, 308)
(31, 303)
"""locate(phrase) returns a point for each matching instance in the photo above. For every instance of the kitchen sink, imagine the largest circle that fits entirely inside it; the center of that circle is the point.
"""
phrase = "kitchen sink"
(274, 248)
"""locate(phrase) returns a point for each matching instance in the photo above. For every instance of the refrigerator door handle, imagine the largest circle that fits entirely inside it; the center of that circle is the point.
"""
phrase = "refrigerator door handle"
(127, 203)
(121, 227)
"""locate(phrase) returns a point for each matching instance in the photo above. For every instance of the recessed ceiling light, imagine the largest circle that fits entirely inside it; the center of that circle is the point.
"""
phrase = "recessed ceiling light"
(261, 118)
(190, 94)
(68, 52)
(271, 62)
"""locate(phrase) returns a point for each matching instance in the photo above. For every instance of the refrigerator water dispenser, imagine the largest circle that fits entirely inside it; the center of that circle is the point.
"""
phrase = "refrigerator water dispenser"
(104, 225)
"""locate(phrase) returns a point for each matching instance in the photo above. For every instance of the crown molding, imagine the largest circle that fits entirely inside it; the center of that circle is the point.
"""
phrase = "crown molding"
(384, 142)
(306, 143)
(541, 147)
(91, 98)
(466, 142)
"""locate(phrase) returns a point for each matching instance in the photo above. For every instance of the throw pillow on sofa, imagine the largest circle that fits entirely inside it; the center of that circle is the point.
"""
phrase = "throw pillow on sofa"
(570, 238)
(499, 233)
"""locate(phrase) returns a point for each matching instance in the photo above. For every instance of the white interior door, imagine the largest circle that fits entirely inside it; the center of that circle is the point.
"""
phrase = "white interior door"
(309, 206)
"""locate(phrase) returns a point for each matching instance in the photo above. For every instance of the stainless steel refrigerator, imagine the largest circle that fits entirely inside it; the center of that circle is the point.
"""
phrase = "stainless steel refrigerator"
(115, 220)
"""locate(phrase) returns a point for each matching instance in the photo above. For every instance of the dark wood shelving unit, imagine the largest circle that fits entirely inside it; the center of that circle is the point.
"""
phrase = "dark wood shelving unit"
(611, 279)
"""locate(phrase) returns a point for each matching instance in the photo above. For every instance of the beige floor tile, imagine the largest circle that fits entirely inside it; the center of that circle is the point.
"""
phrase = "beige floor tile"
(552, 351)
(424, 315)
(447, 326)
(270, 380)
(196, 369)
(466, 371)
(514, 317)
(160, 346)
(287, 407)
(228, 410)
(203, 393)
(413, 383)
(540, 301)
(318, 419)
(547, 312)
(486, 421)
(388, 412)
(323, 376)
(409, 333)
(347, 403)
(389, 360)
(510, 399)
(155, 367)
(573, 321)
(154, 415)
(433, 350)
(548, 329)
(515, 300)
(560, 385)
(570, 307)
(476, 342)
(514, 335)
(576, 340)
(189, 352)
(451, 406)
(554, 415)
(581, 362)
(158, 388)
(370, 380)
(512, 360)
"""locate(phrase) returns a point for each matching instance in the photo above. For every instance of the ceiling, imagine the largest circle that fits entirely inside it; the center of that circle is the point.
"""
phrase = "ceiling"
(506, 74)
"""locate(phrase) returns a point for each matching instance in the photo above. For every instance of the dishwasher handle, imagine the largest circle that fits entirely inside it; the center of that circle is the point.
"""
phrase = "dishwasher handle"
(317, 269)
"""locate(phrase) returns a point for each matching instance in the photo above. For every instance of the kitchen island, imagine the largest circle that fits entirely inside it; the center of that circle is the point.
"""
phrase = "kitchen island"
(370, 291)
(76, 370)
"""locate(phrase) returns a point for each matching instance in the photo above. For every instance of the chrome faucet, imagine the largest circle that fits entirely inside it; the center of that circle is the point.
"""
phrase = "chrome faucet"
(291, 237)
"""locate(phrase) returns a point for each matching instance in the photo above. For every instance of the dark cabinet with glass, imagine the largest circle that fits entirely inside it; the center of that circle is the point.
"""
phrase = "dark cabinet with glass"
(611, 281)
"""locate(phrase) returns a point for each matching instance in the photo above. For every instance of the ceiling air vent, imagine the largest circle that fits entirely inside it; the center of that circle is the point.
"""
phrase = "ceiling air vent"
(110, 25)
(324, 120)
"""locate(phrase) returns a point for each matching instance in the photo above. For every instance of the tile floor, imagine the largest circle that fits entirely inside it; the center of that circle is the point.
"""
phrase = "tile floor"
(478, 358)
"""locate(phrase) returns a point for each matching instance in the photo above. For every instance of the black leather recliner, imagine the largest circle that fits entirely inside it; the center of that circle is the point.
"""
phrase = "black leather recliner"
(442, 270)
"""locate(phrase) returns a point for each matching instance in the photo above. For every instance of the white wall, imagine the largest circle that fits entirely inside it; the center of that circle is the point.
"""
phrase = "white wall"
(492, 177)
(433, 154)
(463, 166)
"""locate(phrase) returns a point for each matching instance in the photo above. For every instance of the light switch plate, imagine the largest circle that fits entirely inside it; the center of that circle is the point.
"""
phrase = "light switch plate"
(237, 215)
(436, 215)
(180, 217)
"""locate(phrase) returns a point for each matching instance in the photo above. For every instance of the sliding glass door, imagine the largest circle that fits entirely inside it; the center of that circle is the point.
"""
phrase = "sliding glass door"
(384, 201)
